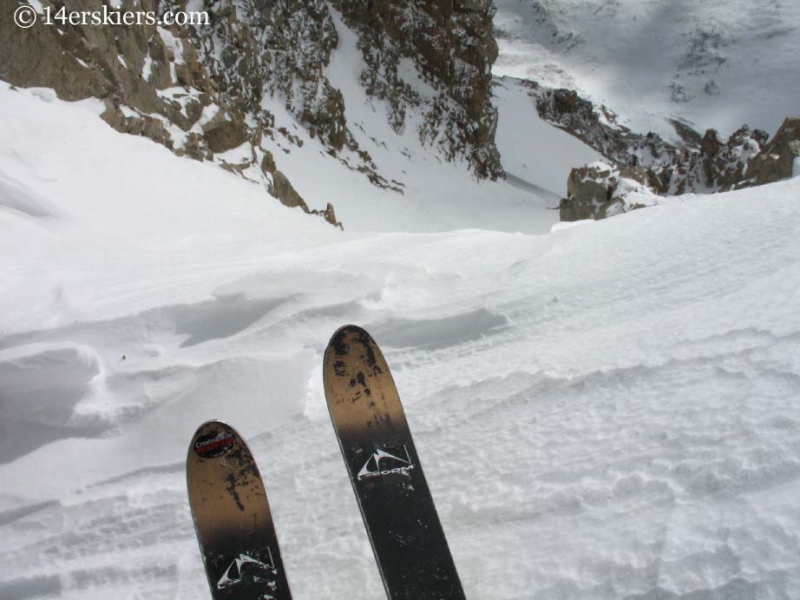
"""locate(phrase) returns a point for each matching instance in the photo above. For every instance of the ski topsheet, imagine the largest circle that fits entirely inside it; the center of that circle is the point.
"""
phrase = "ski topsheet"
(232, 517)
(395, 502)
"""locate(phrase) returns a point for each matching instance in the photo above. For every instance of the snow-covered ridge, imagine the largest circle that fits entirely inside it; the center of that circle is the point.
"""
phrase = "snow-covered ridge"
(604, 411)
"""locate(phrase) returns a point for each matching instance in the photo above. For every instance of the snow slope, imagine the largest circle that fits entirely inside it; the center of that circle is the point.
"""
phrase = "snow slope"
(435, 195)
(711, 64)
(607, 410)
(531, 148)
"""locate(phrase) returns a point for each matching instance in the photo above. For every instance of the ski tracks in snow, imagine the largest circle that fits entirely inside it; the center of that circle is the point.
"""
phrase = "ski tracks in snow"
(604, 412)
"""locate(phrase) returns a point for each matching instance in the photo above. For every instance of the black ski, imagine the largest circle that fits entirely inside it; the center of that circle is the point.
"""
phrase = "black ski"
(232, 517)
(395, 501)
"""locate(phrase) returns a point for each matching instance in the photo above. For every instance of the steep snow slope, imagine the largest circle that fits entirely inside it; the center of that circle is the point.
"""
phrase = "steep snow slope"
(434, 195)
(712, 64)
(605, 411)
(536, 155)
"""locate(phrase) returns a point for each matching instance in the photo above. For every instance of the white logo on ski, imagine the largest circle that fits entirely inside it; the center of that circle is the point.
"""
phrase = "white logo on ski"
(233, 574)
(375, 468)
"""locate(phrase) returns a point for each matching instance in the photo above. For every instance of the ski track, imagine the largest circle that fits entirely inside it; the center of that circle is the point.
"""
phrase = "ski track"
(605, 411)
(580, 440)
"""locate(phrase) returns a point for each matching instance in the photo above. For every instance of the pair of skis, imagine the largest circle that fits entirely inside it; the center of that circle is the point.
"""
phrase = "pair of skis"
(231, 512)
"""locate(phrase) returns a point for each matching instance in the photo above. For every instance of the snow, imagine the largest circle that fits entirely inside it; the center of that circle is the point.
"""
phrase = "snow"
(436, 196)
(147, 68)
(710, 64)
(532, 150)
(603, 409)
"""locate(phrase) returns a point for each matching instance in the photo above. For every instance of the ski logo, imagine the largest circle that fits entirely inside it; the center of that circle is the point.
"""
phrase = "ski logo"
(383, 462)
(214, 445)
(245, 568)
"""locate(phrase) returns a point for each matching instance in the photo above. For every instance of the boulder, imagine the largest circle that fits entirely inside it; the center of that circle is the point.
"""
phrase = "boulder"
(225, 131)
(588, 189)
(600, 190)
(776, 161)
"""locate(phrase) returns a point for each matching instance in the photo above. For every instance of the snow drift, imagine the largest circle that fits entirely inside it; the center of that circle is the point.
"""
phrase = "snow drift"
(608, 410)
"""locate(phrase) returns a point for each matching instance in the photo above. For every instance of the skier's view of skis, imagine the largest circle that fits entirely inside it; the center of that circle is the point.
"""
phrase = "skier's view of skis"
(232, 517)
(385, 470)
(567, 233)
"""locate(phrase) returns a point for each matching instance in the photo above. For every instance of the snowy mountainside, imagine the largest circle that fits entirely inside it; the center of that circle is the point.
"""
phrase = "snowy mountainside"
(708, 64)
(248, 83)
(604, 410)
(434, 194)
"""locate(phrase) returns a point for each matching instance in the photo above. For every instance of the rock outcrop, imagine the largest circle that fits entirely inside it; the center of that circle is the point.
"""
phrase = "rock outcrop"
(195, 89)
(779, 157)
(745, 159)
(597, 127)
(451, 44)
(700, 164)
(601, 190)
(716, 166)
(199, 89)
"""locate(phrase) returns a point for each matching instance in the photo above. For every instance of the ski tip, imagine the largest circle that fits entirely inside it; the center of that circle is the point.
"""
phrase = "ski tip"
(213, 439)
(348, 330)
(345, 334)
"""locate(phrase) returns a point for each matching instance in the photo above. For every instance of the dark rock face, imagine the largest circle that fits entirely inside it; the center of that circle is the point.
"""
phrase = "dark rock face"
(588, 189)
(199, 89)
(597, 127)
(162, 83)
(717, 166)
(778, 158)
(601, 190)
(225, 131)
(743, 160)
(701, 164)
(452, 46)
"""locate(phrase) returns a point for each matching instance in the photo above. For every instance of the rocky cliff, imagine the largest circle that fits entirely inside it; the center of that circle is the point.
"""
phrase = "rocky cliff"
(650, 166)
(451, 45)
(200, 89)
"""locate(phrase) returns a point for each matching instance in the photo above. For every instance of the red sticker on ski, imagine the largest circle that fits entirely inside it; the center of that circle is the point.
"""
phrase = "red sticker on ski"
(214, 445)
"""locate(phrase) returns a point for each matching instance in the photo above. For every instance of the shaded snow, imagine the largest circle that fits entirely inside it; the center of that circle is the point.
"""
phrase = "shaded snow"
(532, 150)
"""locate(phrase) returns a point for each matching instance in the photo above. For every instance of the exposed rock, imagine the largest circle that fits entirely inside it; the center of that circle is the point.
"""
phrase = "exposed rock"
(158, 81)
(588, 188)
(452, 46)
(704, 164)
(227, 130)
(195, 147)
(142, 125)
(716, 166)
(640, 174)
(778, 158)
(163, 82)
(689, 137)
(597, 127)
(283, 190)
(601, 190)
(330, 216)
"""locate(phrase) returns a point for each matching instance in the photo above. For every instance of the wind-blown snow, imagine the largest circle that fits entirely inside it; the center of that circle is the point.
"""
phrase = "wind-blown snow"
(608, 410)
